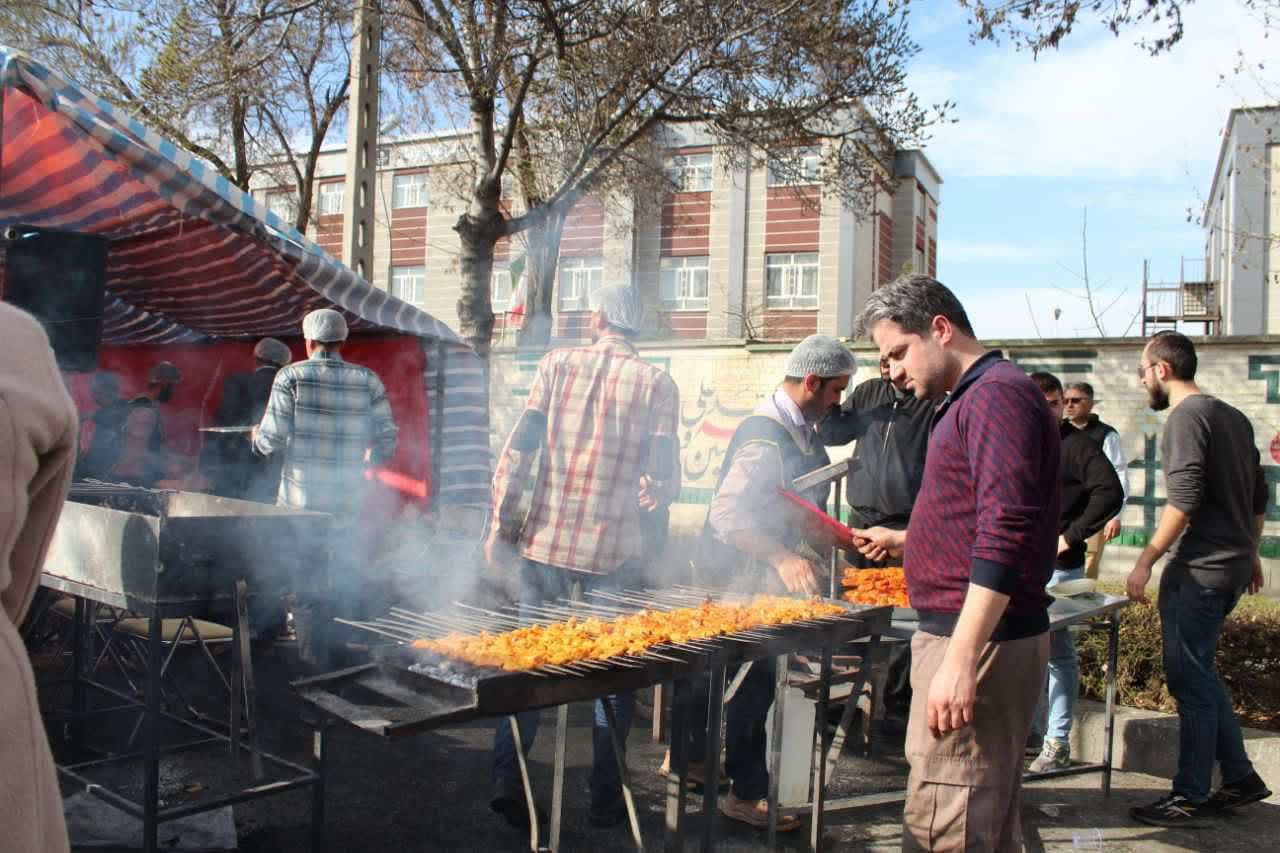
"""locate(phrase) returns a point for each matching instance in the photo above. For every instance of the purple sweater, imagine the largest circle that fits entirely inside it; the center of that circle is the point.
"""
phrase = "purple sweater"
(987, 511)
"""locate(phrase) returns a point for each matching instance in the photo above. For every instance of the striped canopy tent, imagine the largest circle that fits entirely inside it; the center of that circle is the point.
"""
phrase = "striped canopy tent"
(194, 260)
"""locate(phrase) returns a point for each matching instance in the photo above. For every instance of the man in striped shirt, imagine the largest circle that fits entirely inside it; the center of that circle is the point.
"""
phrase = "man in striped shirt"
(602, 423)
(330, 419)
(978, 552)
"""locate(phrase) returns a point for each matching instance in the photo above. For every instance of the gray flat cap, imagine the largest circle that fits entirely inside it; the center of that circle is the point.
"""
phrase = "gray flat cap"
(324, 326)
(821, 355)
(272, 351)
(621, 306)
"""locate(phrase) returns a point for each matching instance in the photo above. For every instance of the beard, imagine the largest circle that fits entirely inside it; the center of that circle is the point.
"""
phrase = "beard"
(165, 395)
(1157, 399)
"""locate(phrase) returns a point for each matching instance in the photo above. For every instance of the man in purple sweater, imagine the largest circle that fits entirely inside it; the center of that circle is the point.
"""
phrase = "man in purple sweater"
(977, 552)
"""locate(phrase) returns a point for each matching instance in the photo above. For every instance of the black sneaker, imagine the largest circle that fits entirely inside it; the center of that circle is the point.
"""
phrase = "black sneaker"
(1173, 810)
(606, 816)
(1233, 795)
(514, 811)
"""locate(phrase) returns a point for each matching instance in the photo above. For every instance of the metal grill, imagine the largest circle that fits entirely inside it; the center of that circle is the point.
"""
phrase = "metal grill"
(408, 690)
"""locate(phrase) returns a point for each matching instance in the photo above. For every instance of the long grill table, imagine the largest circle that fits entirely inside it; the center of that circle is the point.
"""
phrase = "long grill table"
(1091, 612)
(170, 554)
(407, 691)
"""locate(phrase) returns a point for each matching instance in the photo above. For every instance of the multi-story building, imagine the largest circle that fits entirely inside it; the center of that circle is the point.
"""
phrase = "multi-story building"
(730, 253)
(1242, 224)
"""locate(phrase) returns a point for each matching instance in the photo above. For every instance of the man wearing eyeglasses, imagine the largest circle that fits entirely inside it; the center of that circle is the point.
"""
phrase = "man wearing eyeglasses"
(1077, 406)
(1210, 526)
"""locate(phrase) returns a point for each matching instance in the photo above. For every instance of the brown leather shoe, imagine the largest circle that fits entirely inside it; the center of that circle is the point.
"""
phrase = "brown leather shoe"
(696, 774)
(755, 813)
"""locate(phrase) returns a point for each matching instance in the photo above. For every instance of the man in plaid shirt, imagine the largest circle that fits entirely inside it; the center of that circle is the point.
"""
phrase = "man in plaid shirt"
(602, 423)
(330, 419)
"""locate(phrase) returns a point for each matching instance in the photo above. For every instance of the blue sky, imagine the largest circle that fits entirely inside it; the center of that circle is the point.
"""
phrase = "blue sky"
(1097, 124)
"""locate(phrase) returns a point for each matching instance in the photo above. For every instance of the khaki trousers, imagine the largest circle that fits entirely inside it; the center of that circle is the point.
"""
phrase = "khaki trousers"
(962, 792)
(1093, 555)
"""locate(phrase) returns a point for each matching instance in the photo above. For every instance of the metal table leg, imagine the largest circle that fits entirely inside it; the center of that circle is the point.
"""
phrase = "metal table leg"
(528, 786)
(246, 676)
(822, 744)
(711, 787)
(1113, 650)
(869, 659)
(620, 754)
(557, 778)
(151, 739)
(80, 639)
(775, 747)
(319, 755)
(681, 705)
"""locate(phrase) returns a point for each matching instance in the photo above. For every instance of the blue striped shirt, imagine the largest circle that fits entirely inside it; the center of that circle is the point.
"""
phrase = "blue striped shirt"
(324, 414)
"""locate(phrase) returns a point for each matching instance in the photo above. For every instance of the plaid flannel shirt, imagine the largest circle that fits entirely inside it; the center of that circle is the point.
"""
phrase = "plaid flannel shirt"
(603, 406)
(324, 413)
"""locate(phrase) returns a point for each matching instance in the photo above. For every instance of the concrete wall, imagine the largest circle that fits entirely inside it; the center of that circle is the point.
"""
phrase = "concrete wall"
(721, 383)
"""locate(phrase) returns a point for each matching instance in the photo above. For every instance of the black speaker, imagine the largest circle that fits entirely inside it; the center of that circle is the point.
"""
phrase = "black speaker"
(60, 277)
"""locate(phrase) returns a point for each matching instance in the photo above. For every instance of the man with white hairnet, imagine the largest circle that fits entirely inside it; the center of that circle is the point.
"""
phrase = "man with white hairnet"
(601, 423)
(329, 419)
(750, 542)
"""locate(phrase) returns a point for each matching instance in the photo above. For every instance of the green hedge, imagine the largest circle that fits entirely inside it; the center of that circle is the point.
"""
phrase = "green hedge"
(1248, 660)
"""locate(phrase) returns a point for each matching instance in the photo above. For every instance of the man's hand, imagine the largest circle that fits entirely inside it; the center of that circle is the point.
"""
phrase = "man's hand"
(952, 694)
(798, 574)
(1063, 545)
(1136, 586)
(1256, 580)
(1111, 530)
(879, 543)
(647, 499)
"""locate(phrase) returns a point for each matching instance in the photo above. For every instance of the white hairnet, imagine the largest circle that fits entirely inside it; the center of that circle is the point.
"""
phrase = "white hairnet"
(324, 326)
(621, 306)
(821, 355)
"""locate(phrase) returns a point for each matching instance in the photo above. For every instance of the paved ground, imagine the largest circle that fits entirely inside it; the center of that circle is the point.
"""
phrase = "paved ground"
(430, 793)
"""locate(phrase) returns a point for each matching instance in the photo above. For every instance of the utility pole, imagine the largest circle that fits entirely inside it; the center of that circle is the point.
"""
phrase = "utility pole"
(362, 140)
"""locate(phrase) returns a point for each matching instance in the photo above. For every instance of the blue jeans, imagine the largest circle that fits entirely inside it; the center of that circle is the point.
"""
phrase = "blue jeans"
(1191, 618)
(539, 583)
(1062, 682)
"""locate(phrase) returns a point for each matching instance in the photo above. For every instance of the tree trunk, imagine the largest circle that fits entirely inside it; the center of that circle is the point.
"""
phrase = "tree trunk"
(476, 236)
(540, 267)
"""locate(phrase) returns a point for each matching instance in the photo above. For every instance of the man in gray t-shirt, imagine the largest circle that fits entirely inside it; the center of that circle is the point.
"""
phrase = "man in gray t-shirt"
(1211, 526)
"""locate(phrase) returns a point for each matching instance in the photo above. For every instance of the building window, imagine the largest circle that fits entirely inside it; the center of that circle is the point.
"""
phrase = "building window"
(791, 280)
(579, 278)
(409, 284)
(690, 173)
(409, 191)
(682, 284)
(331, 196)
(500, 289)
(283, 204)
(797, 167)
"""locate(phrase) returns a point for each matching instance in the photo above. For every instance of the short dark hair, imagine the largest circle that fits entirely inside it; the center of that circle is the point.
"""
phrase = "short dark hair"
(1176, 350)
(1083, 387)
(912, 301)
(1046, 382)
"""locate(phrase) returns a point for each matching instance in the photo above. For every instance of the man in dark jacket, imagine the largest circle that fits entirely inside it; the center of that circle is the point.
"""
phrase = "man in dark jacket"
(1091, 495)
(891, 427)
(233, 469)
